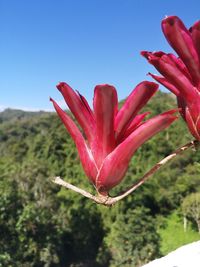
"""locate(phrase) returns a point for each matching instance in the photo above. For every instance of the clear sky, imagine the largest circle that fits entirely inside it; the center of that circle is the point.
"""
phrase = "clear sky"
(82, 42)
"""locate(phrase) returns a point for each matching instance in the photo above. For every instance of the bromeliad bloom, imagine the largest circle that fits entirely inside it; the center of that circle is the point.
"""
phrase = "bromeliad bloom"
(111, 136)
(181, 75)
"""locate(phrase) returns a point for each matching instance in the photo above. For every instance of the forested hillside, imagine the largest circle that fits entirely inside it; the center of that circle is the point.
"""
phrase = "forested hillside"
(42, 224)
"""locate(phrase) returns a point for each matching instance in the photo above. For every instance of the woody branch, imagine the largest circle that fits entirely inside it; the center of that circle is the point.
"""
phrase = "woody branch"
(109, 201)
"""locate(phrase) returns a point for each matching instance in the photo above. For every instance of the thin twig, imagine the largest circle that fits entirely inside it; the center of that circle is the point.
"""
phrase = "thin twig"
(99, 199)
(109, 201)
(154, 169)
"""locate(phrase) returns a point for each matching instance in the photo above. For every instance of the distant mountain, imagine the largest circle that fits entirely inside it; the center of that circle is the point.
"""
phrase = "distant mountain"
(10, 114)
(13, 114)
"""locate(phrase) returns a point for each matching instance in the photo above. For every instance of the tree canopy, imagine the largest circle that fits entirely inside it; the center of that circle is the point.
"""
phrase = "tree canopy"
(42, 224)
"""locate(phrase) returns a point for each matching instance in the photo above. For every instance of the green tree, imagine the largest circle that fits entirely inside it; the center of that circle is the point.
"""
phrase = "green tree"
(42, 224)
(133, 239)
(191, 208)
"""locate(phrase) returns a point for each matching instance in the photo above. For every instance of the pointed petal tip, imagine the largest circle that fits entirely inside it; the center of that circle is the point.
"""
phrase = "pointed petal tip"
(174, 118)
(133, 104)
(106, 89)
(147, 113)
(170, 116)
(171, 111)
(104, 86)
(53, 101)
(61, 85)
(153, 75)
(145, 54)
(195, 26)
(151, 55)
(170, 20)
(171, 119)
(56, 106)
(151, 85)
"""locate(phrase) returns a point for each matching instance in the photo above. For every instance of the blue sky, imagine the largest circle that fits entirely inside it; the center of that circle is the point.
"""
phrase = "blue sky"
(82, 42)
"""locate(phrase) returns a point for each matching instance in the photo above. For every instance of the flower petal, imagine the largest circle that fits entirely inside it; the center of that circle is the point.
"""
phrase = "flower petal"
(134, 102)
(198, 125)
(105, 108)
(165, 83)
(180, 65)
(85, 154)
(191, 124)
(136, 122)
(180, 39)
(195, 33)
(166, 66)
(80, 108)
(182, 105)
(116, 163)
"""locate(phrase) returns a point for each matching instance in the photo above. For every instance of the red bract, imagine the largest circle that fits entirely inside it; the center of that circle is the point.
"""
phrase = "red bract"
(111, 136)
(181, 75)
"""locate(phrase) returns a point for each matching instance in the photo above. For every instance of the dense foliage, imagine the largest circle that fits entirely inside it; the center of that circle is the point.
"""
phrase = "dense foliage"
(42, 224)
(191, 208)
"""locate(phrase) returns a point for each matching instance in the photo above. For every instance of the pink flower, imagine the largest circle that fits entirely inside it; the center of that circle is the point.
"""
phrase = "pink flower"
(110, 136)
(181, 75)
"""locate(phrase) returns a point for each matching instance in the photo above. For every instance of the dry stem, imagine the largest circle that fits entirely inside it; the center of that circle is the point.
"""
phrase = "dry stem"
(109, 201)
